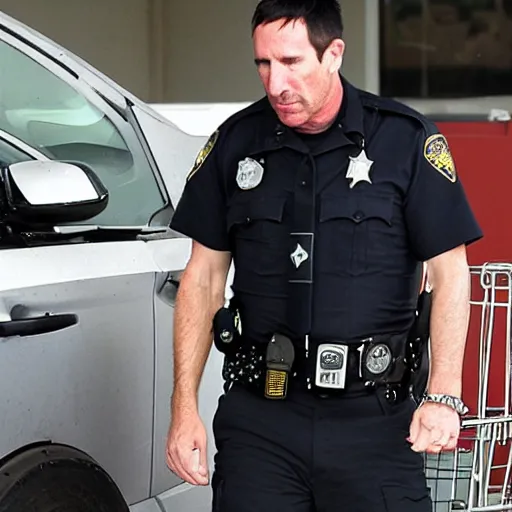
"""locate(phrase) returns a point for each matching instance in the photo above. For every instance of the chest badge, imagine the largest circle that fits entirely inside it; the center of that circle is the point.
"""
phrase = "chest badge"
(250, 174)
(359, 169)
(299, 256)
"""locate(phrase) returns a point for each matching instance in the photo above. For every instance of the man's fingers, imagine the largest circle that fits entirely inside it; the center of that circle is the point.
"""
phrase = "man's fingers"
(186, 452)
(199, 466)
(433, 448)
(175, 461)
(438, 436)
(170, 463)
(438, 439)
(190, 463)
(414, 429)
(422, 440)
(452, 443)
(176, 465)
(443, 439)
(434, 429)
(195, 460)
(203, 461)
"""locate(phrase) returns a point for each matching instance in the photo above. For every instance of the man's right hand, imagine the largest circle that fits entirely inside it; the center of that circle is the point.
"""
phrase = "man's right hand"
(186, 449)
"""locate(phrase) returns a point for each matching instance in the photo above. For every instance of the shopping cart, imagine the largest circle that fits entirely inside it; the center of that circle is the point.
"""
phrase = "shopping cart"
(476, 477)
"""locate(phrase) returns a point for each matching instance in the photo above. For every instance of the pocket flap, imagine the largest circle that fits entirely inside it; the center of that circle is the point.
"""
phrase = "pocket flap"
(243, 210)
(357, 208)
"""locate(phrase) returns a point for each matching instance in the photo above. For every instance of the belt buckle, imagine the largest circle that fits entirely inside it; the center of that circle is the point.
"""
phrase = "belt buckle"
(331, 366)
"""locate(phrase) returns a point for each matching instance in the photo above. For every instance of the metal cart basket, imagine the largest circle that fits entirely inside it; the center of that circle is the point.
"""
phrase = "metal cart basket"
(477, 476)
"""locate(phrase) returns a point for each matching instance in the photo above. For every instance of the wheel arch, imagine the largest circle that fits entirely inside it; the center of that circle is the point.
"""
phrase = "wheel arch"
(22, 464)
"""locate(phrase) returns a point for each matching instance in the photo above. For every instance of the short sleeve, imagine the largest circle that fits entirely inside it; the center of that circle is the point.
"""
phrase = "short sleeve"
(201, 211)
(438, 214)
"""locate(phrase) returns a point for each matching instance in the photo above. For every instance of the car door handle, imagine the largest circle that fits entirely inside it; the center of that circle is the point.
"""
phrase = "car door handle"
(169, 289)
(37, 325)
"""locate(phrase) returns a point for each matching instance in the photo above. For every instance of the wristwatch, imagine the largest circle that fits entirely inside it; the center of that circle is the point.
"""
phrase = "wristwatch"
(451, 401)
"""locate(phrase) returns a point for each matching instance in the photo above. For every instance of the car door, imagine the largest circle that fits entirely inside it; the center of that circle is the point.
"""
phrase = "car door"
(93, 385)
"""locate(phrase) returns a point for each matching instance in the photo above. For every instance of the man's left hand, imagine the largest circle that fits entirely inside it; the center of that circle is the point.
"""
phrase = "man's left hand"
(434, 428)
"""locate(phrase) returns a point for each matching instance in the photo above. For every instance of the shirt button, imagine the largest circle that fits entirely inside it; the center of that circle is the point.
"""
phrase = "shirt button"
(359, 215)
(303, 183)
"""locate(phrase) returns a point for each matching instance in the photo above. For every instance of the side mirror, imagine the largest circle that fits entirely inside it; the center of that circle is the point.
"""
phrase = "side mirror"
(51, 192)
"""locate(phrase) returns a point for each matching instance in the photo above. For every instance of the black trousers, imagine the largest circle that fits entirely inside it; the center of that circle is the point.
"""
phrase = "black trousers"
(312, 454)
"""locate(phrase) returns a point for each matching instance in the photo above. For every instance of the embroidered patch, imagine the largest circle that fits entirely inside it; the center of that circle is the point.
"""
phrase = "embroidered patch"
(203, 154)
(439, 156)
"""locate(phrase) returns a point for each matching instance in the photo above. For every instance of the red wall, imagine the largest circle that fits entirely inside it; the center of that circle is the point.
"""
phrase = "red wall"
(483, 158)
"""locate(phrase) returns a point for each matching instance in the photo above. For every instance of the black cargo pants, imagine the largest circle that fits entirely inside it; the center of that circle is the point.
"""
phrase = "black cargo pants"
(311, 454)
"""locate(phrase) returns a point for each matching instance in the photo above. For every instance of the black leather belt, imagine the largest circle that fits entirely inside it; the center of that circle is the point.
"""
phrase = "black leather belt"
(328, 368)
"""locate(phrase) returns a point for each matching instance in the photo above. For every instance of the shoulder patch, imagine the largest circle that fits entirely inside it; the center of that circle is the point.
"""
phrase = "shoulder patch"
(437, 153)
(203, 154)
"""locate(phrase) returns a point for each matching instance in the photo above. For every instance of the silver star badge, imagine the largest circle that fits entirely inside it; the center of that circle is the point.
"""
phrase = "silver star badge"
(359, 169)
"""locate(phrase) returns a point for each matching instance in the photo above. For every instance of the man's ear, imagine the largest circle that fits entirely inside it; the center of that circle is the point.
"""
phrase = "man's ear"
(333, 55)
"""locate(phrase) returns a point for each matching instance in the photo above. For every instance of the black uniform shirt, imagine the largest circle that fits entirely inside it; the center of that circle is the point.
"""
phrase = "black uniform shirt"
(313, 255)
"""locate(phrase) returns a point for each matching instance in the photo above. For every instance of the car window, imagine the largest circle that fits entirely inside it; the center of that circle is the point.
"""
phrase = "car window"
(9, 154)
(47, 113)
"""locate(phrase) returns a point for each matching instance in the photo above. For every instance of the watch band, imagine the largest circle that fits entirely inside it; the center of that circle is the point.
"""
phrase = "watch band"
(451, 401)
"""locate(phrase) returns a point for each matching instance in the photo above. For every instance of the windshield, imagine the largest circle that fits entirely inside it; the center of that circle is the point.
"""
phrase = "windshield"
(47, 113)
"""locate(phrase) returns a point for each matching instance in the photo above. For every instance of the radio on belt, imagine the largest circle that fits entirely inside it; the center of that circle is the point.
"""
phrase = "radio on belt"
(279, 359)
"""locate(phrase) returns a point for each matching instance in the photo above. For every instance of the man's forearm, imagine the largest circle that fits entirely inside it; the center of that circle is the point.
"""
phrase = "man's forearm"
(449, 326)
(195, 306)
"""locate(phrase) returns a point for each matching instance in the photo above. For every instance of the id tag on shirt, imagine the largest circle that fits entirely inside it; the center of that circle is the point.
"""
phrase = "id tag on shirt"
(331, 366)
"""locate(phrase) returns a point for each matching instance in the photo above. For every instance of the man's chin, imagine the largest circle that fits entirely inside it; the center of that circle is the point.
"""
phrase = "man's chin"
(291, 119)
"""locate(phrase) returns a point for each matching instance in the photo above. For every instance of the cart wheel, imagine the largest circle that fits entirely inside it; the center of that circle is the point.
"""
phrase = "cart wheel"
(57, 478)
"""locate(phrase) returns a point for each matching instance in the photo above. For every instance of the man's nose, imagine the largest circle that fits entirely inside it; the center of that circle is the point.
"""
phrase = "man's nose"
(277, 81)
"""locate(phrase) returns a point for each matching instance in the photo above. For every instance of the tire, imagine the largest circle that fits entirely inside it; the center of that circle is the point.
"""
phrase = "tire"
(57, 478)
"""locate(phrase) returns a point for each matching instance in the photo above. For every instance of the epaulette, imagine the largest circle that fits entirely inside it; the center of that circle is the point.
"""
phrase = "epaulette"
(390, 105)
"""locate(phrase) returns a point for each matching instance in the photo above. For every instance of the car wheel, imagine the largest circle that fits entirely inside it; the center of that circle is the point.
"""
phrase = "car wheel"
(57, 478)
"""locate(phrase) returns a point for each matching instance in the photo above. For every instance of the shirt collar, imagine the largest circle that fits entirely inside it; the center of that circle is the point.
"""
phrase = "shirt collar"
(347, 129)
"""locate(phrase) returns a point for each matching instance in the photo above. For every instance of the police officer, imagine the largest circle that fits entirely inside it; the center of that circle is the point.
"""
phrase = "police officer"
(329, 200)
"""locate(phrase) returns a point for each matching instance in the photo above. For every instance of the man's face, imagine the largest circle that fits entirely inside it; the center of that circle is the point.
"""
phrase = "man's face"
(296, 82)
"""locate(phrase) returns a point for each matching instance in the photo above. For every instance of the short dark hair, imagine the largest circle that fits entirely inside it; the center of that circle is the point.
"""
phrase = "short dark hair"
(323, 18)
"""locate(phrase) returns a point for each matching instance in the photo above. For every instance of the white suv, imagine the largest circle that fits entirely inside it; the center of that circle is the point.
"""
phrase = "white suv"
(89, 176)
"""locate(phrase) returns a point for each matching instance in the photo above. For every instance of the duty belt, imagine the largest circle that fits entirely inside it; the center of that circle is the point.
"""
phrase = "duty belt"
(324, 367)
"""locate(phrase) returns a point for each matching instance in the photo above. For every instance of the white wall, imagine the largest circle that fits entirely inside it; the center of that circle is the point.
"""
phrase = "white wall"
(180, 51)
(211, 49)
(111, 34)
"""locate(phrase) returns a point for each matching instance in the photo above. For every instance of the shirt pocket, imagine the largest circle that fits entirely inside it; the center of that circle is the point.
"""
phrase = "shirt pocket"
(357, 233)
(258, 233)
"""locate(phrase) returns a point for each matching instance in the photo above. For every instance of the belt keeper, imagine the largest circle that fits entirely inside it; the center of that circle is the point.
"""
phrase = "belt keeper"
(279, 358)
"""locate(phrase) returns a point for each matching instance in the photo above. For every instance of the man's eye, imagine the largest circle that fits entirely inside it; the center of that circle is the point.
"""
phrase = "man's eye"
(261, 63)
